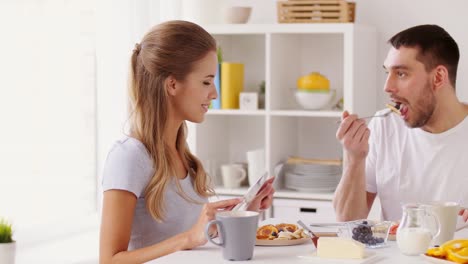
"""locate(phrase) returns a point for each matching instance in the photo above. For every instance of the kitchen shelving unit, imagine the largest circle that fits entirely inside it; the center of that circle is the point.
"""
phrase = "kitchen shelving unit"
(279, 54)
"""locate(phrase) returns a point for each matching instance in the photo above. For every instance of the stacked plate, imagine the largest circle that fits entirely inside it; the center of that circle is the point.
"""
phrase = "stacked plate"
(312, 177)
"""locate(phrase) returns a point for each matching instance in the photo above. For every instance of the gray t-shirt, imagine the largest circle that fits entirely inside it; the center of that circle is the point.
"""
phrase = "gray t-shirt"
(129, 167)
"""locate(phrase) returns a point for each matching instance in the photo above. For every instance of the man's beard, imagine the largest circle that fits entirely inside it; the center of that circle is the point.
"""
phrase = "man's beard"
(423, 108)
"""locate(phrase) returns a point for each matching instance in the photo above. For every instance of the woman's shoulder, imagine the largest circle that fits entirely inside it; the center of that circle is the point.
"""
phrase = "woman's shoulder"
(129, 144)
(130, 149)
(128, 166)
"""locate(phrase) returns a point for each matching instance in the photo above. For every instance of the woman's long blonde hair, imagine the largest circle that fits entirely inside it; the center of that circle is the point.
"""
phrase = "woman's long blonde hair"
(168, 49)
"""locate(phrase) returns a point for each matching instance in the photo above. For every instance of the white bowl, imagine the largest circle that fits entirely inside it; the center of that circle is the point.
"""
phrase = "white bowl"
(237, 14)
(313, 101)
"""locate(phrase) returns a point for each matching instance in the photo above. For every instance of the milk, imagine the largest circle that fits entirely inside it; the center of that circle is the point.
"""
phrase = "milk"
(413, 240)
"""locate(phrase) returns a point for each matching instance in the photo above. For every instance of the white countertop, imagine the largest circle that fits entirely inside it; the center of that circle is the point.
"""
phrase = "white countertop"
(280, 193)
(210, 253)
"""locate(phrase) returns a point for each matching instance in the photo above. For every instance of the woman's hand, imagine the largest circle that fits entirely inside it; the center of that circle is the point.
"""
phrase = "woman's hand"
(209, 210)
(264, 197)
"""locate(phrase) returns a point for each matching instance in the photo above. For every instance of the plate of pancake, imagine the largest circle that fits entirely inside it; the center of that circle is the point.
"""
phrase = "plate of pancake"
(283, 234)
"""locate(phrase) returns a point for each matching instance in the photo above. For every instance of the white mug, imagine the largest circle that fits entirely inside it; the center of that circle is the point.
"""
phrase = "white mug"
(233, 175)
(447, 213)
(256, 164)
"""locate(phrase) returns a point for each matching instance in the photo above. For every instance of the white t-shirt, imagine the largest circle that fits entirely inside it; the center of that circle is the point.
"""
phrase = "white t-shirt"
(129, 167)
(407, 165)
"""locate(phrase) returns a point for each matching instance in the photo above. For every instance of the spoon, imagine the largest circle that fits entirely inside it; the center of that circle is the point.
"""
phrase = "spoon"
(312, 235)
(386, 113)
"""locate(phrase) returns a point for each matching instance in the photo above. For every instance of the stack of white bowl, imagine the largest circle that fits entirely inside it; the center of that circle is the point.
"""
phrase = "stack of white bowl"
(316, 178)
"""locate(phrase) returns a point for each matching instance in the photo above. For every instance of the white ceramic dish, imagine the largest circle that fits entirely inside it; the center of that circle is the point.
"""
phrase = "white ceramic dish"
(237, 14)
(282, 242)
(314, 101)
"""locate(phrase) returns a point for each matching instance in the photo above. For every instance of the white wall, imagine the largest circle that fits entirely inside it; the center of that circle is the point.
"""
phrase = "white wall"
(120, 24)
(390, 17)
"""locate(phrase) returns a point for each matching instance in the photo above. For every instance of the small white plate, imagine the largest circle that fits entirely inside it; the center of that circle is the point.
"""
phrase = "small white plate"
(436, 260)
(282, 242)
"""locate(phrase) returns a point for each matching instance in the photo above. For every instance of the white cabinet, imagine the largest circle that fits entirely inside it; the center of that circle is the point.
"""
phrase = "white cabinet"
(279, 54)
(309, 211)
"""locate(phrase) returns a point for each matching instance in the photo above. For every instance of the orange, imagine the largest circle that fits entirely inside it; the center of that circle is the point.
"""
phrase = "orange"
(460, 256)
(455, 244)
(313, 81)
(455, 250)
(436, 252)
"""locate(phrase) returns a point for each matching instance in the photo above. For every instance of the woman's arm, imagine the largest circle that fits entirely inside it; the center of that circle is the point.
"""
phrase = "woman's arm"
(116, 224)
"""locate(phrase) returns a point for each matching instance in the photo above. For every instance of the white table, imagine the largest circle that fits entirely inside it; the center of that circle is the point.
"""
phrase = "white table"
(210, 253)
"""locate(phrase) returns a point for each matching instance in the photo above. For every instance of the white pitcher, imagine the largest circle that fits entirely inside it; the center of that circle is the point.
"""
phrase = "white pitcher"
(417, 228)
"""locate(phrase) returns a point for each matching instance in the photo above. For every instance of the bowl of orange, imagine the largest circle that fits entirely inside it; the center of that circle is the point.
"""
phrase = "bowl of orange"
(313, 91)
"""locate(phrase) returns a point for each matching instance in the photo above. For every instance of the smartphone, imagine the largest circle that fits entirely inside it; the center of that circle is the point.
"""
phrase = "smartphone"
(251, 193)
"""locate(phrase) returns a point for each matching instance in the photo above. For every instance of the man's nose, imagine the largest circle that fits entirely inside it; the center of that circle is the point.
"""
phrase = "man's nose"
(389, 86)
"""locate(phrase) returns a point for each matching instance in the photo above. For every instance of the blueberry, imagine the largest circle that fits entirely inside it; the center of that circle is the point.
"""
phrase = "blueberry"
(364, 222)
(362, 238)
(274, 233)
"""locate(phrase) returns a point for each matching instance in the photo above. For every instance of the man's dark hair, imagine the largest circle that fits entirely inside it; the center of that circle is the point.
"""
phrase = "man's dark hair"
(436, 47)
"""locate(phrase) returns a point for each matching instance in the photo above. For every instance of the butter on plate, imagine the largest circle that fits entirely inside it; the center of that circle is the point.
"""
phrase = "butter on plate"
(340, 248)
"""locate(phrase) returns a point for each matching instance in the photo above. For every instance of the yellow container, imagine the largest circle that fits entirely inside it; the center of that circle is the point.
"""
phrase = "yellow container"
(232, 84)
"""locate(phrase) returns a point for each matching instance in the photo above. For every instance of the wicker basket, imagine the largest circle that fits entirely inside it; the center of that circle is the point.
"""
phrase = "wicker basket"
(316, 11)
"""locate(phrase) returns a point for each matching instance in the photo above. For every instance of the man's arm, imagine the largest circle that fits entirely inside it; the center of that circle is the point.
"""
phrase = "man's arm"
(351, 200)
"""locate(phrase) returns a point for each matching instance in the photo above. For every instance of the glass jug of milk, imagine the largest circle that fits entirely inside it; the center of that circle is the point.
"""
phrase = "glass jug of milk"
(417, 228)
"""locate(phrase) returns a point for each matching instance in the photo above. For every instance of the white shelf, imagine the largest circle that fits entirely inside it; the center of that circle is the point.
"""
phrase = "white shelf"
(236, 112)
(232, 29)
(279, 54)
(298, 113)
(282, 193)
(306, 113)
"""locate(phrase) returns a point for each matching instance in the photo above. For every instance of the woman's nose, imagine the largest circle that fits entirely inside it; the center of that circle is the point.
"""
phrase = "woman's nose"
(214, 93)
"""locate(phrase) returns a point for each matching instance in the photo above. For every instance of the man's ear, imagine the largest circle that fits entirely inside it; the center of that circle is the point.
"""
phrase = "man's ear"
(171, 85)
(441, 77)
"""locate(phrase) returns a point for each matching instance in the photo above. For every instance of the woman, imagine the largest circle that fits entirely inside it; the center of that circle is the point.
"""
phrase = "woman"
(155, 191)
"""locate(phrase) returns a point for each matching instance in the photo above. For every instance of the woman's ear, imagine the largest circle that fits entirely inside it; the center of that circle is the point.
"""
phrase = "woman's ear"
(441, 77)
(171, 85)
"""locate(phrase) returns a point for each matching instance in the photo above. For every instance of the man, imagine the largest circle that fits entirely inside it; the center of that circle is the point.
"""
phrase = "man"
(420, 155)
